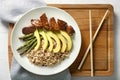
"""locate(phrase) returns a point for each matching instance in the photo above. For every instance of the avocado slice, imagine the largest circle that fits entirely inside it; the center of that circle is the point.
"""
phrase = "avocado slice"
(68, 38)
(36, 34)
(50, 48)
(55, 37)
(63, 41)
(43, 34)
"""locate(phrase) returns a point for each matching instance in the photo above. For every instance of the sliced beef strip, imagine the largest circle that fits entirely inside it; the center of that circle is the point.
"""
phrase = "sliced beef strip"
(62, 24)
(37, 23)
(53, 24)
(28, 29)
(44, 21)
(70, 30)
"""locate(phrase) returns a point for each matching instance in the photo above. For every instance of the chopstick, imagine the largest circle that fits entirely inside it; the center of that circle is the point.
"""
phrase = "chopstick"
(91, 46)
(84, 57)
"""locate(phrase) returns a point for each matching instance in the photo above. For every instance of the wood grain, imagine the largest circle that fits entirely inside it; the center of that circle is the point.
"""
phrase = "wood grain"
(103, 46)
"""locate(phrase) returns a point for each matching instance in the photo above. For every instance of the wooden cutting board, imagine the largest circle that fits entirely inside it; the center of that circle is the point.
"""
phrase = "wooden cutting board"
(103, 45)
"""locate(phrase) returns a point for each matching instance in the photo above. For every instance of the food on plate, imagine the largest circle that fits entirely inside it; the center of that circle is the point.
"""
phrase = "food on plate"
(69, 45)
(28, 29)
(63, 42)
(70, 30)
(62, 24)
(46, 42)
(50, 40)
(27, 47)
(57, 44)
(44, 21)
(53, 24)
(36, 34)
(37, 23)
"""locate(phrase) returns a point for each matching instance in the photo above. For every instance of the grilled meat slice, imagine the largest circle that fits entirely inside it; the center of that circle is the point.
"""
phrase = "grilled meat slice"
(44, 21)
(62, 24)
(37, 23)
(53, 24)
(28, 30)
(70, 30)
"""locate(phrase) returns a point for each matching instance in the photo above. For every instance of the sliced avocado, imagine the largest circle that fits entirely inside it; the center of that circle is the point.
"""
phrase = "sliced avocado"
(55, 37)
(45, 44)
(50, 48)
(68, 38)
(64, 43)
(36, 34)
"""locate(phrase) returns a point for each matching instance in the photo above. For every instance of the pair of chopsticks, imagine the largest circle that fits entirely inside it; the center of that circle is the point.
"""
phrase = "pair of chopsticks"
(91, 41)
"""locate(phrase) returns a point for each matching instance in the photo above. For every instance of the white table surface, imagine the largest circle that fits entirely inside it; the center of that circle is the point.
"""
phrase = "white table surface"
(4, 70)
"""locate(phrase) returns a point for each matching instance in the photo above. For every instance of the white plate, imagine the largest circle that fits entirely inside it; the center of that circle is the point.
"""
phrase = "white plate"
(25, 20)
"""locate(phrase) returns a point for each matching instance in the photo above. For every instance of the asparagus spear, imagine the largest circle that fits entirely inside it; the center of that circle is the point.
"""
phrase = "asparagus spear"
(29, 38)
(26, 36)
(25, 44)
(23, 48)
(29, 48)
(32, 47)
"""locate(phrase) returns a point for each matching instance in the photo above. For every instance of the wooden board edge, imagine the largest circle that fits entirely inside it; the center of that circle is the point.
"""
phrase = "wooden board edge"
(99, 6)
(111, 42)
(97, 73)
(9, 47)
